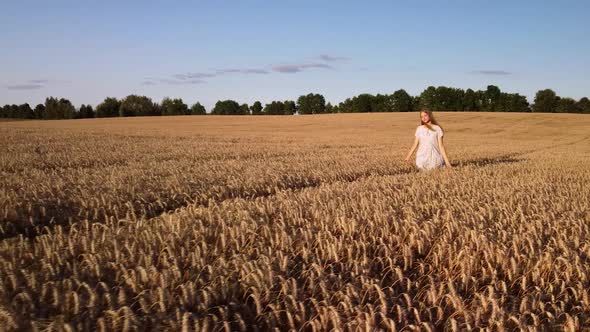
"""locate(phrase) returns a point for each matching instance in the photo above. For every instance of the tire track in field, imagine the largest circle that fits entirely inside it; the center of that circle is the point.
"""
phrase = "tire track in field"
(480, 162)
(552, 146)
(63, 214)
(56, 217)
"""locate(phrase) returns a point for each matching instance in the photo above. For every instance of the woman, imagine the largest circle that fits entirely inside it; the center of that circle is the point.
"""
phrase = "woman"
(429, 140)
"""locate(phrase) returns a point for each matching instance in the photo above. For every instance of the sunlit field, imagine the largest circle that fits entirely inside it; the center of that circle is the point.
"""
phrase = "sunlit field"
(313, 223)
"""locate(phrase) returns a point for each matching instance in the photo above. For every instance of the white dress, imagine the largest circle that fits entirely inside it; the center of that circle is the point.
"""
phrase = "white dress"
(428, 156)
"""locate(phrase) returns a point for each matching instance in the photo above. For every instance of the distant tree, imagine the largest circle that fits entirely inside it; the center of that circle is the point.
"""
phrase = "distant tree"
(6, 111)
(244, 109)
(25, 112)
(345, 106)
(13, 111)
(516, 103)
(226, 107)
(90, 111)
(329, 108)
(583, 105)
(502, 103)
(289, 107)
(174, 107)
(198, 109)
(416, 103)
(567, 105)
(428, 98)
(545, 101)
(311, 104)
(256, 108)
(439, 98)
(442, 98)
(481, 100)
(362, 103)
(382, 103)
(59, 109)
(134, 105)
(470, 101)
(274, 108)
(85, 112)
(402, 101)
(52, 109)
(67, 108)
(450, 99)
(108, 108)
(39, 111)
(457, 100)
(493, 99)
(366, 102)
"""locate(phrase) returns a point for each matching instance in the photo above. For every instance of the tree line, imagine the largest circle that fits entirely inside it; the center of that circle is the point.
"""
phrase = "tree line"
(435, 98)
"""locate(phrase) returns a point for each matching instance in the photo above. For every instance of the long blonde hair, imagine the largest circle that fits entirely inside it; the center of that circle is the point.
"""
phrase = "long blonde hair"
(431, 116)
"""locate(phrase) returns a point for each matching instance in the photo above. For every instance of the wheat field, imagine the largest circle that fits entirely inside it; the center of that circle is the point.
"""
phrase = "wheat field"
(305, 223)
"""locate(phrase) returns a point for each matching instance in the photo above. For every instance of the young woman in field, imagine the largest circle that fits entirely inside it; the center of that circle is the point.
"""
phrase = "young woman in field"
(429, 141)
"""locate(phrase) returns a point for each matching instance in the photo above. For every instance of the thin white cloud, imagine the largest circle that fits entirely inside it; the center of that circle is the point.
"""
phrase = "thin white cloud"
(332, 58)
(491, 72)
(241, 71)
(182, 82)
(35, 84)
(196, 77)
(39, 81)
(157, 80)
(192, 76)
(30, 86)
(296, 68)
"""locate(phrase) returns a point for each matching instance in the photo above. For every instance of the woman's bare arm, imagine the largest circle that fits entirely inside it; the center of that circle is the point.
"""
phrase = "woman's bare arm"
(441, 146)
(407, 160)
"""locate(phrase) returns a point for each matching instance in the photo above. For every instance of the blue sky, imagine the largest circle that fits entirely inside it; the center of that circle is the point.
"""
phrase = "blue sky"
(277, 50)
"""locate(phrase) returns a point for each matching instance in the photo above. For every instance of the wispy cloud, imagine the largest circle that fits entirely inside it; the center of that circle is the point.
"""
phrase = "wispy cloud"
(30, 86)
(241, 71)
(33, 84)
(491, 72)
(182, 82)
(192, 76)
(39, 81)
(332, 58)
(197, 77)
(295, 68)
(171, 81)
